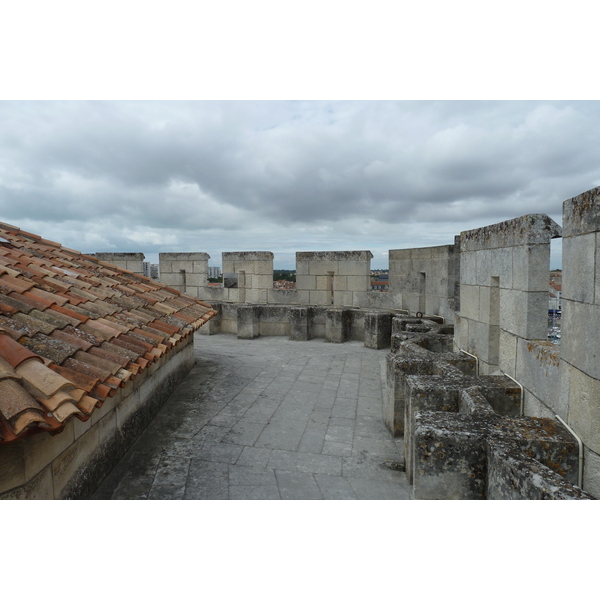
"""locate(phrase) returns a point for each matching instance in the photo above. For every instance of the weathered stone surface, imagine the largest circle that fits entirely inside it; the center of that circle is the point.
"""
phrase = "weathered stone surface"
(336, 325)
(581, 214)
(377, 330)
(248, 322)
(299, 323)
(530, 229)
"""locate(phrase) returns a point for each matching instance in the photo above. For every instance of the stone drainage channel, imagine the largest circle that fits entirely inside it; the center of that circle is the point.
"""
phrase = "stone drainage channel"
(269, 419)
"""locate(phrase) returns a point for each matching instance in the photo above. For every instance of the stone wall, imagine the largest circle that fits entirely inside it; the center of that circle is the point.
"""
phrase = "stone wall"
(504, 271)
(184, 271)
(72, 464)
(426, 279)
(131, 261)
(333, 278)
(580, 344)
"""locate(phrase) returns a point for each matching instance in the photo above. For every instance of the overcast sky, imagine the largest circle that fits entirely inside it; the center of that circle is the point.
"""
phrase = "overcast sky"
(216, 176)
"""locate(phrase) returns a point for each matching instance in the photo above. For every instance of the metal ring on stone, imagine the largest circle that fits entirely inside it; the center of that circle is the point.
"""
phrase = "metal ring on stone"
(419, 315)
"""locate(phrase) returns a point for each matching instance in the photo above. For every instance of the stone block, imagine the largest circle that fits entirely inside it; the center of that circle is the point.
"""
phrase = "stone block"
(264, 267)
(538, 370)
(584, 408)
(287, 297)
(279, 329)
(319, 298)
(248, 322)
(262, 281)
(360, 299)
(512, 475)
(449, 460)
(301, 267)
(383, 300)
(591, 472)
(469, 302)
(581, 214)
(299, 323)
(377, 330)
(336, 325)
(200, 267)
(461, 333)
(195, 280)
(468, 268)
(322, 267)
(80, 427)
(324, 283)
(596, 271)
(507, 353)
(236, 294)
(412, 303)
(306, 282)
(256, 296)
(340, 283)
(12, 465)
(43, 448)
(69, 464)
(174, 280)
(303, 296)
(358, 284)
(356, 269)
(343, 299)
(579, 346)
(524, 314)
(534, 407)
(579, 267)
(531, 266)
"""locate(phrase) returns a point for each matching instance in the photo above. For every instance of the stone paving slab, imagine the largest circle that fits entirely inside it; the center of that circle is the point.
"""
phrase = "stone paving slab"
(268, 419)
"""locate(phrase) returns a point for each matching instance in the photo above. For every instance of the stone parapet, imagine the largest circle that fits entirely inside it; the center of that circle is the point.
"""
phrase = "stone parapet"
(454, 424)
(529, 229)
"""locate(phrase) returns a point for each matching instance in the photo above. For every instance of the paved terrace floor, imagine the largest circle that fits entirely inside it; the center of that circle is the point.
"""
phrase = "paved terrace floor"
(267, 419)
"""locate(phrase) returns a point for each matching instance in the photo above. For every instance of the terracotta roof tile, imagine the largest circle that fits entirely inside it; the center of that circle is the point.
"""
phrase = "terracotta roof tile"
(83, 381)
(84, 335)
(73, 330)
(32, 325)
(75, 317)
(13, 352)
(16, 303)
(15, 284)
(50, 296)
(73, 340)
(53, 318)
(112, 357)
(43, 378)
(98, 362)
(51, 348)
(99, 330)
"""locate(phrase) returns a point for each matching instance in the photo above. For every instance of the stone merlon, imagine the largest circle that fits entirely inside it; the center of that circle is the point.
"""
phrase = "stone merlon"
(248, 256)
(111, 256)
(183, 256)
(530, 229)
(335, 255)
(581, 214)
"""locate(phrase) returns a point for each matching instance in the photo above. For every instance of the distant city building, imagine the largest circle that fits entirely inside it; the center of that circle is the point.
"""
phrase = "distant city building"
(150, 270)
(214, 272)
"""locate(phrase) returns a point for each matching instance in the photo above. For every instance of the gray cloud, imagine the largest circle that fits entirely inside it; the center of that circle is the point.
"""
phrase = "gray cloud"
(217, 174)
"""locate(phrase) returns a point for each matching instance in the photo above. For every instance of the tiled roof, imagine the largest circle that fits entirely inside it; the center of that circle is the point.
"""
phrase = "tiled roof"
(74, 329)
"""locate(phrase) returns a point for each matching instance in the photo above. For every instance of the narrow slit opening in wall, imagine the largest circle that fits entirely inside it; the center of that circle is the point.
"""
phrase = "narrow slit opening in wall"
(331, 276)
(422, 292)
(494, 324)
(555, 291)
